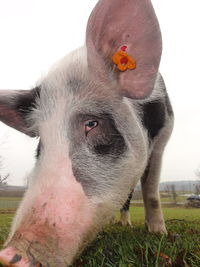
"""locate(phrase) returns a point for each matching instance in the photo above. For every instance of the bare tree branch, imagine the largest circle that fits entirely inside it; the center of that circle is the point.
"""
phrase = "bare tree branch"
(3, 178)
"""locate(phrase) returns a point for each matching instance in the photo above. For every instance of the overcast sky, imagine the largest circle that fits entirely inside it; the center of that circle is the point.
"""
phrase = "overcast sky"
(36, 33)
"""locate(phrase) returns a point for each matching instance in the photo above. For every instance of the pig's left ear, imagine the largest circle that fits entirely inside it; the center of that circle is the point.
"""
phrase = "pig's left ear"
(15, 107)
(125, 23)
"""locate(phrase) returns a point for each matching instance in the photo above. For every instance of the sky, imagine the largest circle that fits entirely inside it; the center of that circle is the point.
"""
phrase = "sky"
(34, 34)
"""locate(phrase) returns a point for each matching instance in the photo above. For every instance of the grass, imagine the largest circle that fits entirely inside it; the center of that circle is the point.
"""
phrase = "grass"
(5, 223)
(189, 214)
(125, 247)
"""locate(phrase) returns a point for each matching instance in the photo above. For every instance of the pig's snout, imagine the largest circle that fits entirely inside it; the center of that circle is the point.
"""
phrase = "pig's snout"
(53, 228)
(9, 257)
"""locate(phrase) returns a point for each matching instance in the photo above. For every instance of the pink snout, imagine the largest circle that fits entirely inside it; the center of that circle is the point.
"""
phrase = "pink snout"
(53, 228)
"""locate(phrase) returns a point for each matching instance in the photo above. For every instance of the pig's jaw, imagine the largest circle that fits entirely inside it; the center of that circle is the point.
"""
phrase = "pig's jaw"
(55, 225)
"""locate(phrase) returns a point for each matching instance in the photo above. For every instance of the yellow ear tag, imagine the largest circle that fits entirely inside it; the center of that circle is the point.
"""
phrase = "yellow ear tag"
(123, 60)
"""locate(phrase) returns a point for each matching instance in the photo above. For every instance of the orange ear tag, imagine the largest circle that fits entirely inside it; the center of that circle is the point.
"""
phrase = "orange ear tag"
(123, 60)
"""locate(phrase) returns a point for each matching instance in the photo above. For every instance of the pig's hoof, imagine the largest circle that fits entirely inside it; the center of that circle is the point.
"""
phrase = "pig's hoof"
(157, 228)
(125, 218)
(125, 223)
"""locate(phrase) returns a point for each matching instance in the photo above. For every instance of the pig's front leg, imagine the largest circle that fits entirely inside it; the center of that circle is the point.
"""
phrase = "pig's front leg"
(125, 217)
(150, 184)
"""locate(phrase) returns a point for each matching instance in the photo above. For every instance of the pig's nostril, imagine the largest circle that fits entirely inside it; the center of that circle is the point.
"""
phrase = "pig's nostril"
(15, 259)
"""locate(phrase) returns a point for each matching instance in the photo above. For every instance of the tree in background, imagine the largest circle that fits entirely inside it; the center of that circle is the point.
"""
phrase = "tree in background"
(167, 189)
(3, 178)
(174, 194)
(183, 189)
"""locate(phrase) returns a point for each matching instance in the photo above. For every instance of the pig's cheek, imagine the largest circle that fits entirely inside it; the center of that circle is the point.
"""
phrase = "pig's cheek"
(62, 213)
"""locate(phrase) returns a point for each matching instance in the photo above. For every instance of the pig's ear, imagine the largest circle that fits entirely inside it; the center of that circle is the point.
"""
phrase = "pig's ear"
(15, 107)
(132, 23)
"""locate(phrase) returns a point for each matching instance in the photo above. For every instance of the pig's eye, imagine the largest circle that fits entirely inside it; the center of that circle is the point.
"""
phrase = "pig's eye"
(89, 125)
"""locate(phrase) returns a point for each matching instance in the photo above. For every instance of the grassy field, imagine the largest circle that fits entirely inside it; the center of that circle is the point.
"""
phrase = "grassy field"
(9, 203)
(169, 199)
(126, 247)
(123, 246)
(10, 199)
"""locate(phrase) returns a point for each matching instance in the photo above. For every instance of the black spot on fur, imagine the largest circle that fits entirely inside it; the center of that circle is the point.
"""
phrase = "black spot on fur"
(114, 143)
(15, 259)
(153, 117)
(167, 101)
(38, 150)
(115, 147)
(168, 105)
(154, 203)
(26, 102)
(127, 203)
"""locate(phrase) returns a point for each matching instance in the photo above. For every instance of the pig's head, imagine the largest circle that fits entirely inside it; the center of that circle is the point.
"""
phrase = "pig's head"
(92, 148)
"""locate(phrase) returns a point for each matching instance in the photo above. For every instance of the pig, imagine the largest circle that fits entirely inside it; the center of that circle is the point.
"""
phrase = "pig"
(100, 130)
